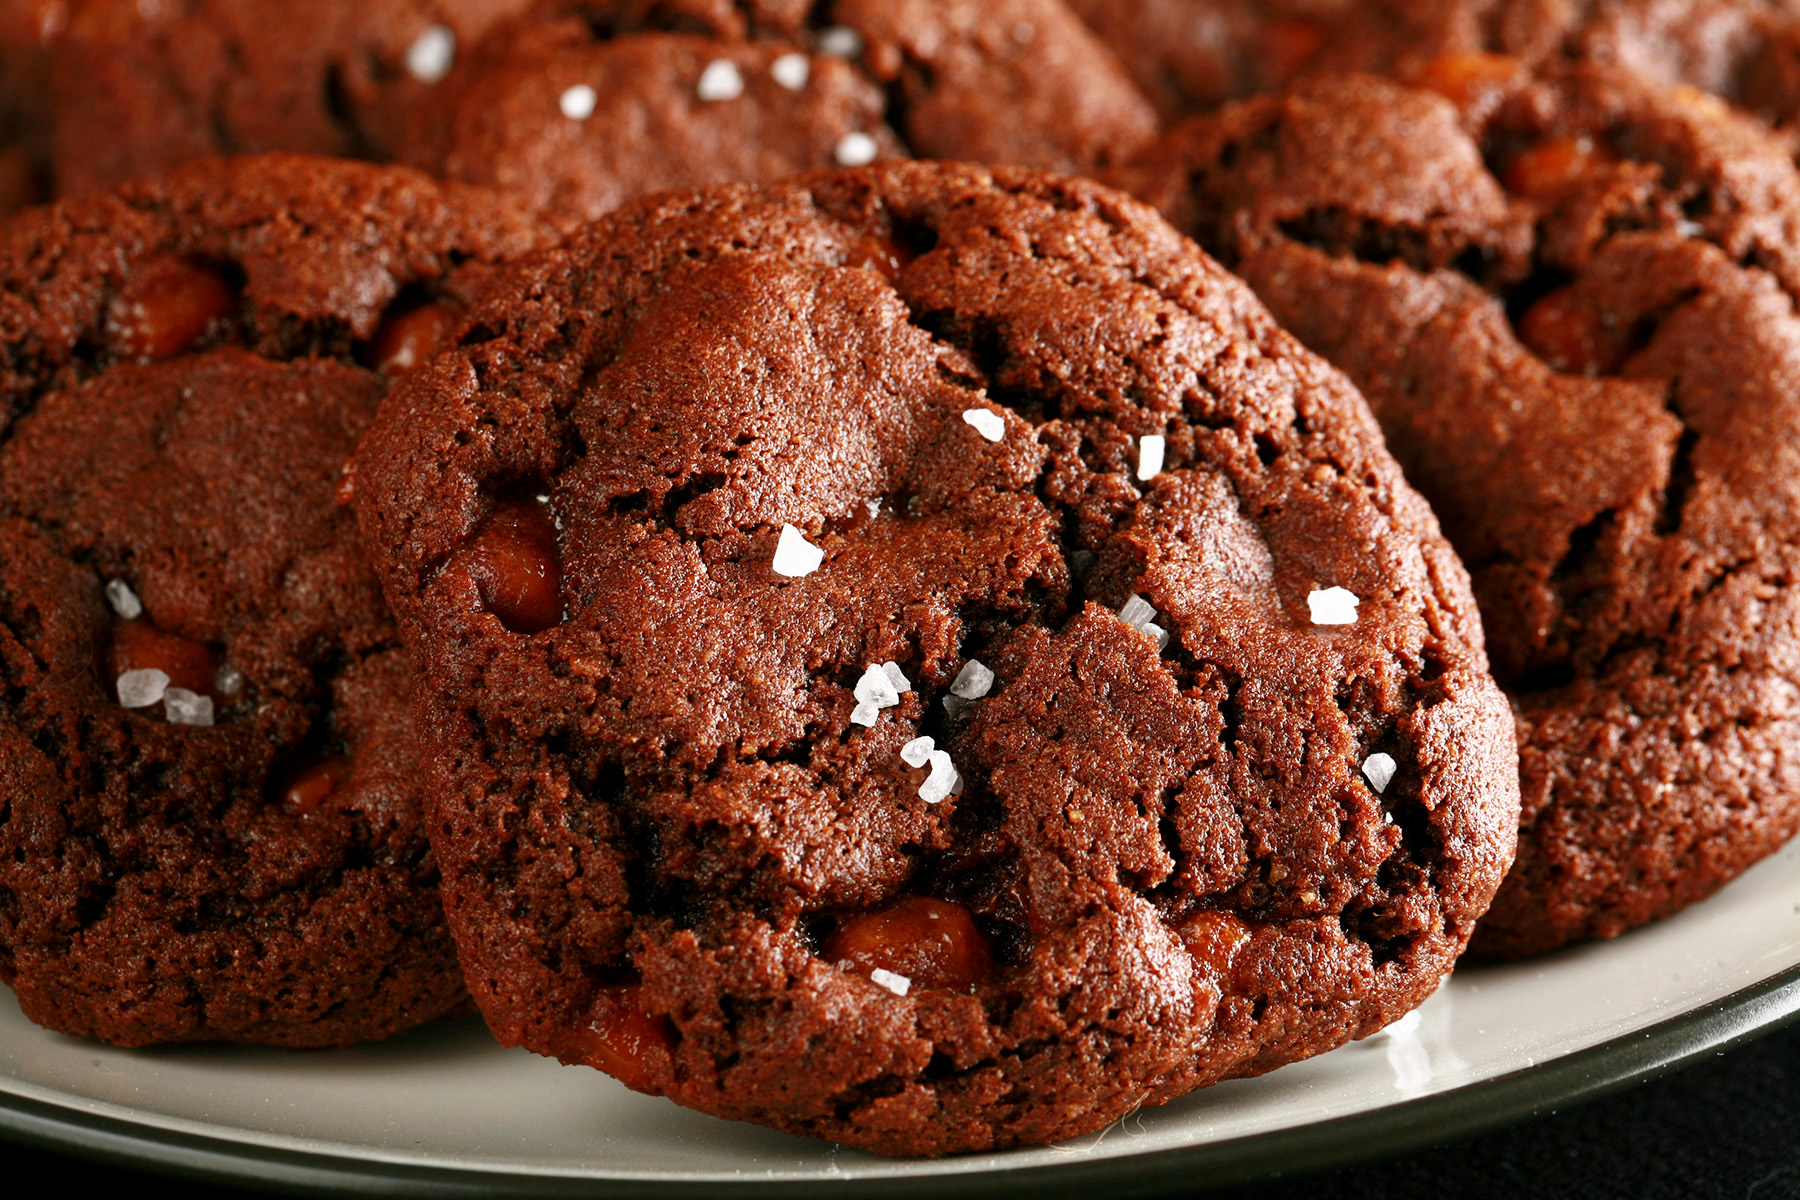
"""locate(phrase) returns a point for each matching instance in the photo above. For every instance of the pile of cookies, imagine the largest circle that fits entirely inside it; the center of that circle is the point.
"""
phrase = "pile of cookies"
(926, 574)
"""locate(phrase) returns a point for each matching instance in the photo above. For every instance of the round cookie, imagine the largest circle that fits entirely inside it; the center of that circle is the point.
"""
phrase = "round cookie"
(138, 88)
(1570, 307)
(581, 106)
(210, 826)
(918, 657)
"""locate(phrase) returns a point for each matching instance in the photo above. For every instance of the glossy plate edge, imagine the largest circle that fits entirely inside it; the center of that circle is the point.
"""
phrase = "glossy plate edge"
(1379, 1133)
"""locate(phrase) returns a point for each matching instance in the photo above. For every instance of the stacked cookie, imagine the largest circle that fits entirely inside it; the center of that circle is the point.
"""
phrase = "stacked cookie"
(904, 652)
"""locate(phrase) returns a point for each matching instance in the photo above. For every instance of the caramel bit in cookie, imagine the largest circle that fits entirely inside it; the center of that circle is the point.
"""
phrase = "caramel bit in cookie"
(989, 424)
(409, 335)
(796, 557)
(577, 103)
(513, 560)
(915, 942)
(721, 80)
(431, 54)
(622, 1038)
(167, 306)
(313, 784)
(855, 149)
(1379, 770)
(1214, 938)
(943, 781)
(1468, 80)
(880, 687)
(1140, 614)
(1553, 168)
(138, 646)
(1570, 336)
(1332, 606)
(1151, 448)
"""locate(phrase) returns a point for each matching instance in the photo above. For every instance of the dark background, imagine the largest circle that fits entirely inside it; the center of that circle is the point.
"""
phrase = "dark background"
(1726, 1128)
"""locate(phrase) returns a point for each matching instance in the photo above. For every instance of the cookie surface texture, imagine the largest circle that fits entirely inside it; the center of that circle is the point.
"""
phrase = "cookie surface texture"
(917, 657)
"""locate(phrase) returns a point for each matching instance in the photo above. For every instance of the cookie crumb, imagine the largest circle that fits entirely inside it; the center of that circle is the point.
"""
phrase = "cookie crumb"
(124, 601)
(897, 984)
(791, 71)
(1151, 448)
(990, 425)
(720, 81)
(794, 555)
(141, 689)
(187, 708)
(855, 150)
(972, 682)
(1332, 606)
(840, 42)
(577, 103)
(1379, 770)
(430, 56)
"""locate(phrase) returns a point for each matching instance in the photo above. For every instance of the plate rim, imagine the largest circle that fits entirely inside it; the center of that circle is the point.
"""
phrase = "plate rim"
(1566, 1080)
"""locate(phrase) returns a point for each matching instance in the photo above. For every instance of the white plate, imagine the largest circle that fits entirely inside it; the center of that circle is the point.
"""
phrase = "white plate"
(444, 1109)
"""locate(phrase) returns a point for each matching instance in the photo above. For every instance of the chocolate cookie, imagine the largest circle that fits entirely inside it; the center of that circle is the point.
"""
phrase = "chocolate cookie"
(1193, 55)
(138, 88)
(209, 814)
(917, 657)
(583, 105)
(27, 29)
(1570, 307)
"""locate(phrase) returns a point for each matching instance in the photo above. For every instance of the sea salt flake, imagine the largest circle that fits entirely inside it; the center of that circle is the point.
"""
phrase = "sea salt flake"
(876, 688)
(865, 714)
(794, 555)
(791, 71)
(956, 706)
(942, 780)
(124, 601)
(720, 81)
(990, 425)
(897, 677)
(1379, 770)
(855, 150)
(1332, 606)
(1151, 448)
(228, 680)
(873, 507)
(141, 689)
(1157, 634)
(840, 42)
(917, 752)
(577, 103)
(187, 708)
(897, 984)
(429, 57)
(1137, 611)
(972, 682)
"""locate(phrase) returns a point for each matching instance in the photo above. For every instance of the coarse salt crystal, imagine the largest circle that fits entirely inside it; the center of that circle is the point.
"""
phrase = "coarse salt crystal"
(990, 425)
(187, 708)
(840, 42)
(865, 713)
(943, 778)
(791, 71)
(141, 689)
(897, 677)
(794, 555)
(855, 150)
(917, 752)
(876, 688)
(229, 680)
(577, 103)
(897, 984)
(972, 682)
(873, 507)
(1150, 456)
(1379, 770)
(1136, 611)
(720, 81)
(1157, 634)
(124, 601)
(1332, 606)
(430, 55)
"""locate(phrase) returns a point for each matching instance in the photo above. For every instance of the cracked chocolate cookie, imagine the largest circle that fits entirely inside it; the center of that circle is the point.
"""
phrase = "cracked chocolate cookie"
(138, 88)
(918, 657)
(584, 105)
(210, 825)
(1570, 305)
